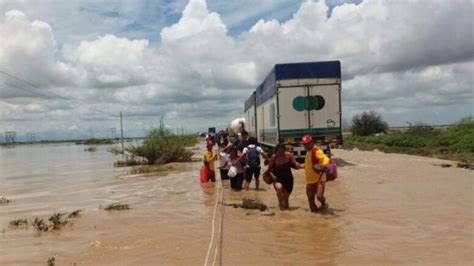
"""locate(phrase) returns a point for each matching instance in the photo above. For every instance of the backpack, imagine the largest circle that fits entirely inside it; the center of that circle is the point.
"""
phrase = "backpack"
(331, 167)
(253, 157)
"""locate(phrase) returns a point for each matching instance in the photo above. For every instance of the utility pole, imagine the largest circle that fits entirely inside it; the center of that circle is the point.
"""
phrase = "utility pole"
(112, 132)
(10, 137)
(121, 134)
(30, 137)
(162, 126)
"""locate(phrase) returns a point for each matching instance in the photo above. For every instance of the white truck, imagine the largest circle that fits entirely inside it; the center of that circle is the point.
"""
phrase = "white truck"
(296, 99)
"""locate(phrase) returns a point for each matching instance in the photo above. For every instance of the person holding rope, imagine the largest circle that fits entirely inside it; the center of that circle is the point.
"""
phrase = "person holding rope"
(279, 174)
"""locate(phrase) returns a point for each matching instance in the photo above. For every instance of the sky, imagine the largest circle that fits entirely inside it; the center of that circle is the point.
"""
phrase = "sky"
(68, 68)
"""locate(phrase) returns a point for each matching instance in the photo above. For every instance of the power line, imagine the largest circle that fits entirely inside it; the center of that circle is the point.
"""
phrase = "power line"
(43, 92)
(29, 90)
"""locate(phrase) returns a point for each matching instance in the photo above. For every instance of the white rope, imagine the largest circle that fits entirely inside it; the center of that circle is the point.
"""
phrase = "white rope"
(218, 197)
(219, 242)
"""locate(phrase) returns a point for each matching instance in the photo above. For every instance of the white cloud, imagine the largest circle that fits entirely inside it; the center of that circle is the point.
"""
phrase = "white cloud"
(111, 61)
(196, 20)
(73, 127)
(28, 50)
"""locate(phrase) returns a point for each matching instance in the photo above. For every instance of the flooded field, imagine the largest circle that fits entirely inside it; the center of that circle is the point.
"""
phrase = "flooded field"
(384, 209)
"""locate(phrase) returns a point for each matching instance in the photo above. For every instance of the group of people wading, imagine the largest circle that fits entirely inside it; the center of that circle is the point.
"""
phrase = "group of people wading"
(240, 162)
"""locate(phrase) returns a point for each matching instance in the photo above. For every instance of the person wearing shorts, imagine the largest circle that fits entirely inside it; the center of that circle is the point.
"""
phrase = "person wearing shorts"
(252, 155)
(314, 166)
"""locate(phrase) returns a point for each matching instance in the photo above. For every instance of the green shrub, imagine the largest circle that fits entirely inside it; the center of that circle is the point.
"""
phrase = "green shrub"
(404, 140)
(420, 129)
(465, 145)
(459, 138)
(456, 143)
(368, 123)
(159, 146)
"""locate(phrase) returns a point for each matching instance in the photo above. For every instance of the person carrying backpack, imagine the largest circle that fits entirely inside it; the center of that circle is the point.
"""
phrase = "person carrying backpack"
(252, 158)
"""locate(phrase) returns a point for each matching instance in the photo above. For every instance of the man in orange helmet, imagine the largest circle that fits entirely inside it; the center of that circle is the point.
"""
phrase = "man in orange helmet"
(314, 166)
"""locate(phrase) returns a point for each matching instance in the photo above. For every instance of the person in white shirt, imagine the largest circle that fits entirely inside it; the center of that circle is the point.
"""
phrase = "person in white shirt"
(223, 165)
(252, 155)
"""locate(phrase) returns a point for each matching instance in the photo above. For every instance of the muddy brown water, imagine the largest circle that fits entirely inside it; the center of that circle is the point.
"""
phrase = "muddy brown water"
(384, 209)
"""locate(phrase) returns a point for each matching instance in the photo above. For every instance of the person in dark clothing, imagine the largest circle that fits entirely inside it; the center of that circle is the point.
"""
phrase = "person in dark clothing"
(242, 142)
(239, 146)
(279, 169)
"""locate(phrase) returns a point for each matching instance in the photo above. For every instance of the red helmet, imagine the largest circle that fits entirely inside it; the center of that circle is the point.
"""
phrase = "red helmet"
(306, 139)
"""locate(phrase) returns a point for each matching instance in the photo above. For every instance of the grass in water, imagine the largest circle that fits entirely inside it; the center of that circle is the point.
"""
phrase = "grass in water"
(90, 149)
(19, 223)
(54, 222)
(51, 261)
(117, 207)
(4, 200)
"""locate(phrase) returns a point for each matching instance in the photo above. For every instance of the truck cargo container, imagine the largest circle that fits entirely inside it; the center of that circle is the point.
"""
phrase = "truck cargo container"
(296, 99)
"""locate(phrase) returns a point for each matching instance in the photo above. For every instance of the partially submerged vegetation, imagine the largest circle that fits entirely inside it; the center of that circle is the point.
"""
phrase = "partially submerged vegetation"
(250, 204)
(90, 149)
(51, 261)
(19, 223)
(54, 222)
(158, 147)
(455, 143)
(4, 201)
(117, 207)
(94, 141)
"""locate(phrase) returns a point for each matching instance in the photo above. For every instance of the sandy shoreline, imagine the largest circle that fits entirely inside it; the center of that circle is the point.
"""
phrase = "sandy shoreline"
(384, 209)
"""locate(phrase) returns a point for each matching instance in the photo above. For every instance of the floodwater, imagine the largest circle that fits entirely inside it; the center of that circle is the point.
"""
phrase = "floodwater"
(384, 209)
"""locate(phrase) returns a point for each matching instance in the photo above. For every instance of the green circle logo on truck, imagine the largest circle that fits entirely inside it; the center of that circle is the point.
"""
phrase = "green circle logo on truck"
(312, 103)
(321, 102)
(300, 103)
(308, 103)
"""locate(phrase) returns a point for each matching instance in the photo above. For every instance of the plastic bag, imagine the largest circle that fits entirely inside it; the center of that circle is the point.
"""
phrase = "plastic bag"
(232, 171)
